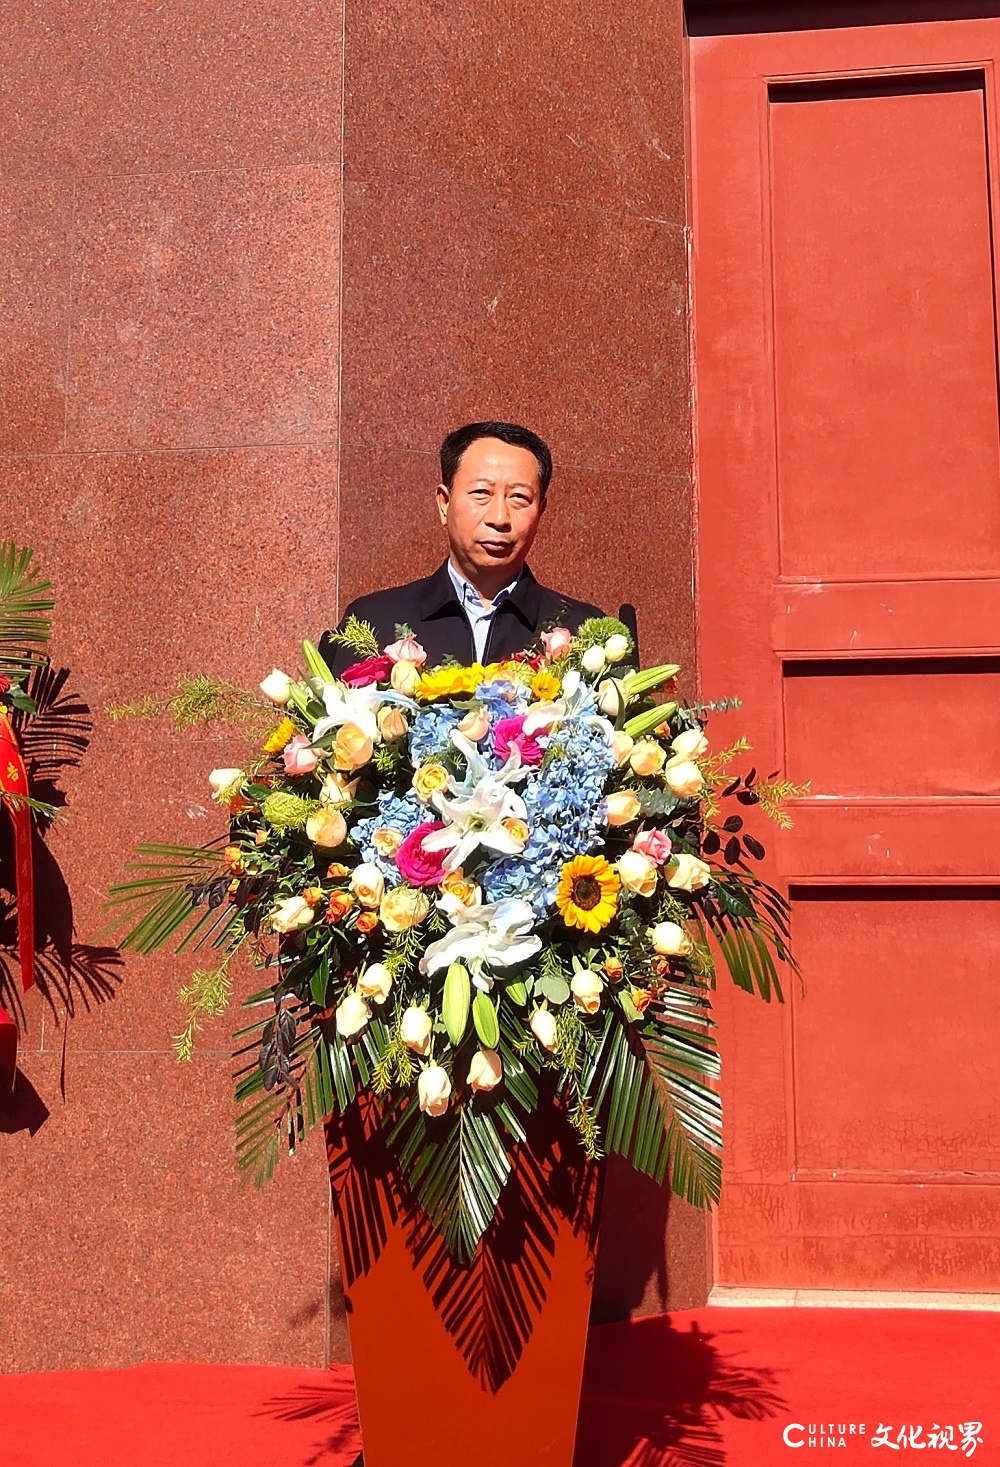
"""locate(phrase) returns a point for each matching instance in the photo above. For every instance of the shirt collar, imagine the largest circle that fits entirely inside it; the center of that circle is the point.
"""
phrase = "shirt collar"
(469, 596)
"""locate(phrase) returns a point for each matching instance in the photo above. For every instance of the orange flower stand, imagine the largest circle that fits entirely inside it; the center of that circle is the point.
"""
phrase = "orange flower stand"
(481, 1363)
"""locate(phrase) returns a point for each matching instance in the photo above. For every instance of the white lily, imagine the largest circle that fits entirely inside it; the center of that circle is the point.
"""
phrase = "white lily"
(355, 705)
(578, 701)
(475, 809)
(495, 935)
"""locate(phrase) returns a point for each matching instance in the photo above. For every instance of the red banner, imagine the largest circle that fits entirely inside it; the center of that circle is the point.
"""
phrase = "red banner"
(14, 781)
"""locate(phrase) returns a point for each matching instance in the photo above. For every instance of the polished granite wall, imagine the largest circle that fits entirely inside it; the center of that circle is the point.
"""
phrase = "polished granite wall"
(255, 260)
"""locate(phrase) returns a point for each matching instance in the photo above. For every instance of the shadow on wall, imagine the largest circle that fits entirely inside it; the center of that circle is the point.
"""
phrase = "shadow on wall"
(69, 975)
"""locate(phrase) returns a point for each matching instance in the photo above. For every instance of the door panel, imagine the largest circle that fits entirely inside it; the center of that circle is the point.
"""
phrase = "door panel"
(845, 336)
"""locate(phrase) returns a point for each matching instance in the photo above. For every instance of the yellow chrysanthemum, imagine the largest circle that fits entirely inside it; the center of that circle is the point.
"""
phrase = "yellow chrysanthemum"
(450, 682)
(587, 893)
(545, 686)
(279, 738)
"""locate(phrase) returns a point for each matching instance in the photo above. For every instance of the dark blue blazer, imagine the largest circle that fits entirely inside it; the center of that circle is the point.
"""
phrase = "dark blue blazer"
(434, 613)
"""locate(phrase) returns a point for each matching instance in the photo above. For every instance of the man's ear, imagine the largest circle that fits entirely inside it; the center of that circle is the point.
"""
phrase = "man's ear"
(443, 496)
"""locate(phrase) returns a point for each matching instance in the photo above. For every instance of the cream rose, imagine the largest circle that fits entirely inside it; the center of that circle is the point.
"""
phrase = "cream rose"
(277, 687)
(688, 873)
(415, 1030)
(637, 873)
(224, 783)
(594, 660)
(375, 982)
(326, 828)
(621, 807)
(647, 757)
(402, 908)
(387, 840)
(352, 1015)
(291, 915)
(670, 939)
(475, 725)
(612, 696)
(586, 989)
(351, 747)
(543, 1025)
(336, 790)
(404, 677)
(392, 723)
(684, 778)
(433, 1087)
(616, 648)
(485, 1071)
(428, 779)
(368, 884)
(621, 746)
(691, 744)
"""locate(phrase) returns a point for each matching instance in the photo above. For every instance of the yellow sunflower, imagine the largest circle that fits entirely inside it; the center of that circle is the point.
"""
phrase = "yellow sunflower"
(587, 893)
(279, 738)
(450, 682)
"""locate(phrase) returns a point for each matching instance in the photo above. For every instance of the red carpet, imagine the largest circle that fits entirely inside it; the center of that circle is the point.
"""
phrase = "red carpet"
(712, 1387)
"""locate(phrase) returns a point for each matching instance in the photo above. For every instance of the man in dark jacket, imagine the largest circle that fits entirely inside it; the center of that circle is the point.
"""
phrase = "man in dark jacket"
(483, 603)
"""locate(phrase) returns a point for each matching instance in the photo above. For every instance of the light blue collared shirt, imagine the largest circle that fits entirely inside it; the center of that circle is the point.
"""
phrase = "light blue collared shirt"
(480, 617)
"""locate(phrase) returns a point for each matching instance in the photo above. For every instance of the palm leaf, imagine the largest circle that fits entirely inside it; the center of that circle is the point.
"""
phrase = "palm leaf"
(24, 603)
(456, 1169)
(163, 900)
(281, 1118)
(655, 1090)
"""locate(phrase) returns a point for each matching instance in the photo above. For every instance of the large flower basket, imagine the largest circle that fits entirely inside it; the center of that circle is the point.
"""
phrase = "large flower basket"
(490, 902)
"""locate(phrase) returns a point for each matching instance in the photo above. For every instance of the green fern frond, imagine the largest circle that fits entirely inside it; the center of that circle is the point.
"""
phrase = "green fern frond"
(24, 604)
(205, 996)
(358, 637)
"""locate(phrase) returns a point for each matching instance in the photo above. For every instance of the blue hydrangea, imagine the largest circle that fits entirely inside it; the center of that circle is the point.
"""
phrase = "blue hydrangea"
(430, 731)
(564, 803)
(403, 813)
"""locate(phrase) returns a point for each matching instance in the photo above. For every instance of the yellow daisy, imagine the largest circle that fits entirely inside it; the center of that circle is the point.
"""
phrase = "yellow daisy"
(587, 893)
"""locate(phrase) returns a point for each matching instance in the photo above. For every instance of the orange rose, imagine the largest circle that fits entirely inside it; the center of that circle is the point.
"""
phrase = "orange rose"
(341, 903)
(233, 858)
(641, 998)
(613, 968)
(336, 871)
(367, 922)
(351, 747)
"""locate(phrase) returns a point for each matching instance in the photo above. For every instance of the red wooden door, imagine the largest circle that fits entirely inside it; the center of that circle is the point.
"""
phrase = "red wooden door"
(845, 200)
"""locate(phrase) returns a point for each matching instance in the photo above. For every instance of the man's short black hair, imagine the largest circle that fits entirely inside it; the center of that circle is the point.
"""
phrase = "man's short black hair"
(456, 443)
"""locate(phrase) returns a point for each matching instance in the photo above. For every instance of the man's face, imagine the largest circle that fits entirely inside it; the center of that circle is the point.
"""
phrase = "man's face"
(492, 510)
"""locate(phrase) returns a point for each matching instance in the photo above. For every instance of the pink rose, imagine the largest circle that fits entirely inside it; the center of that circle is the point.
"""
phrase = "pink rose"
(407, 649)
(509, 734)
(654, 844)
(557, 641)
(417, 866)
(299, 755)
(363, 674)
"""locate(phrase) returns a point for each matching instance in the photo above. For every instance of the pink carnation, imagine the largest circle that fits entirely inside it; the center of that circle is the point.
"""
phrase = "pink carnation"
(363, 674)
(417, 866)
(299, 755)
(655, 845)
(509, 734)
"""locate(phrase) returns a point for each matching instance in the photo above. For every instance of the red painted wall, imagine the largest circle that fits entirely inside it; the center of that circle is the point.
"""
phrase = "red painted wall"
(254, 264)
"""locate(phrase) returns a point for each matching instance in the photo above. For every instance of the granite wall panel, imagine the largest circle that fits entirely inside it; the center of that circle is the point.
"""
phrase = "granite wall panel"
(170, 227)
(224, 379)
